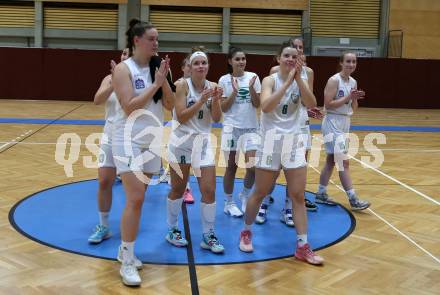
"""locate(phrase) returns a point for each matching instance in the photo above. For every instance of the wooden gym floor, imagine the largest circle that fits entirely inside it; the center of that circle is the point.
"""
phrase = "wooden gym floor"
(395, 248)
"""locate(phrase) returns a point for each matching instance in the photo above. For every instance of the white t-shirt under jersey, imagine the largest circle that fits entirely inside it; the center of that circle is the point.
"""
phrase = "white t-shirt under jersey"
(344, 89)
(242, 113)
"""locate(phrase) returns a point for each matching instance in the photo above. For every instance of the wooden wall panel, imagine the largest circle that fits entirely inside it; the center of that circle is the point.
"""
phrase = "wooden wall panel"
(420, 22)
(265, 24)
(170, 21)
(88, 1)
(80, 18)
(16, 16)
(258, 4)
(339, 18)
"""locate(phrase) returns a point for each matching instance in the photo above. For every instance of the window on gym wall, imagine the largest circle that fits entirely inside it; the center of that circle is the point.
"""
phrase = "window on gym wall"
(191, 20)
(80, 16)
(265, 22)
(17, 23)
(340, 18)
(80, 25)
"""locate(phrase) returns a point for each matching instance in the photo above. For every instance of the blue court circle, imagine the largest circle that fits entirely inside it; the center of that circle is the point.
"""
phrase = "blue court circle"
(62, 217)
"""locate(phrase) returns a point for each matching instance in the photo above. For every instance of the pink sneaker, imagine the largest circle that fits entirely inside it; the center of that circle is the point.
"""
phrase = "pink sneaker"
(246, 241)
(306, 254)
(187, 197)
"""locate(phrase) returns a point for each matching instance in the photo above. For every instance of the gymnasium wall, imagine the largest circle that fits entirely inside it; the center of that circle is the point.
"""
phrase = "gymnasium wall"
(73, 74)
(420, 22)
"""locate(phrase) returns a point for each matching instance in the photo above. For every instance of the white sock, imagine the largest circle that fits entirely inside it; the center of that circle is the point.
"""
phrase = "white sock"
(322, 189)
(173, 210)
(127, 251)
(301, 239)
(351, 194)
(228, 197)
(247, 226)
(245, 192)
(187, 186)
(266, 200)
(208, 217)
(288, 203)
(103, 218)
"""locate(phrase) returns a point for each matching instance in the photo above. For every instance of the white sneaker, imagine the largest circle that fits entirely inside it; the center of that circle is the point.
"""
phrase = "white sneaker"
(137, 263)
(129, 274)
(232, 209)
(287, 217)
(243, 198)
(262, 214)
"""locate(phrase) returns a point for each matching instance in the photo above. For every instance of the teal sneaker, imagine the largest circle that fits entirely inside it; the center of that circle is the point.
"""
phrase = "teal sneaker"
(174, 237)
(100, 234)
(210, 242)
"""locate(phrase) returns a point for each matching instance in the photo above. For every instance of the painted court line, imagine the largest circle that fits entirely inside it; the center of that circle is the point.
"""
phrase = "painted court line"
(396, 181)
(388, 223)
(15, 140)
(365, 239)
(391, 178)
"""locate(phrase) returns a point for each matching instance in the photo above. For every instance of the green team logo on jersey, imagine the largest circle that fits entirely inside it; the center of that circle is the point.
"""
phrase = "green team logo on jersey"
(243, 96)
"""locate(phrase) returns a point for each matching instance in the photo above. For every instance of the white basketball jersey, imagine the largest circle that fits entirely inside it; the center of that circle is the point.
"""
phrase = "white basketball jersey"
(242, 113)
(344, 89)
(286, 117)
(153, 112)
(200, 123)
(303, 110)
(111, 107)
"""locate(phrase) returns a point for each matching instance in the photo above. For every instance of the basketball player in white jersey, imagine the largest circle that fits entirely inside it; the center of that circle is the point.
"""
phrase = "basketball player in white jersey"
(136, 152)
(186, 70)
(241, 98)
(283, 147)
(106, 165)
(197, 105)
(340, 100)
(308, 75)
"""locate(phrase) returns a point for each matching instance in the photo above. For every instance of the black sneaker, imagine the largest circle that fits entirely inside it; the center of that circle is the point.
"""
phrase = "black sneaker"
(310, 206)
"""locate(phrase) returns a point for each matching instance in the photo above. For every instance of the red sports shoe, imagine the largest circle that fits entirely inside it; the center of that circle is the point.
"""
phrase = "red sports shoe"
(306, 254)
(187, 197)
(246, 241)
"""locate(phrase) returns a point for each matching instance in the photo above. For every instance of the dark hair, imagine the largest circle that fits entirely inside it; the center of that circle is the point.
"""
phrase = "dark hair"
(291, 40)
(155, 64)
(342, 57)
(185, 60)
(283, 45)
(232, 52)
(136, 28)
(198, 48)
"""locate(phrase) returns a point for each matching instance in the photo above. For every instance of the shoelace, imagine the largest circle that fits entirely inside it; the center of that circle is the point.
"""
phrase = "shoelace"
(212, 240)
(129, 268)
(247, 238)
(178, 234)
(309, 251)
(288, 212)
(99, 228)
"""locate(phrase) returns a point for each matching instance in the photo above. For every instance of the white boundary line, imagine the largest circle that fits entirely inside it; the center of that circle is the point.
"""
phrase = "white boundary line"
(388, 223)
(397, 181)
(392, 179)
(15, 140)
